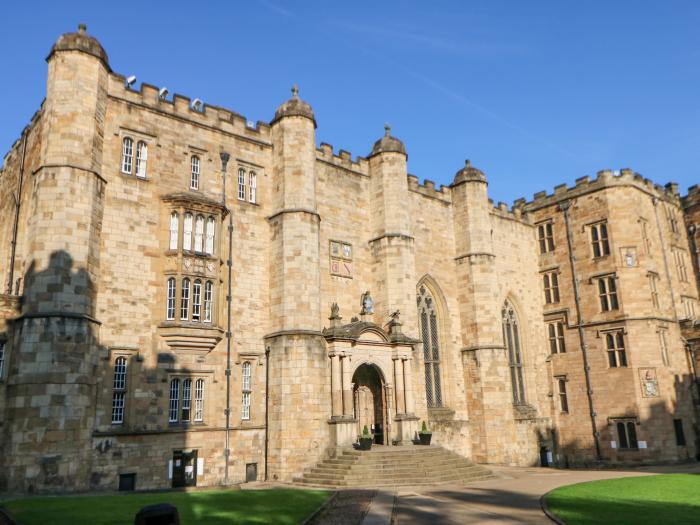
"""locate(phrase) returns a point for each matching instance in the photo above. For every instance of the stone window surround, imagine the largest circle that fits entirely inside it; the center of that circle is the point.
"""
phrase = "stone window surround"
(179, 320)
(613, 423)
(646, 240)
(604, 243)
(617, 350)
(545, 236)
(248, 167)
(563, 395)
(662, 331)
(551, 292)
(132, 355)
(594, 280)
(136, 136)
(194, 376)
(195, 211)
(560, 338)
(654, 289)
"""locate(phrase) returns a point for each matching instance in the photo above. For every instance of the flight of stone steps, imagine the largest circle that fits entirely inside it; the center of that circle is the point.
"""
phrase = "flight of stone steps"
(410, 465)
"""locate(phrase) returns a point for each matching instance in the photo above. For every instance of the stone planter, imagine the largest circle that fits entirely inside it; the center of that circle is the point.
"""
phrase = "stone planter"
(424, 439)
(366, 443)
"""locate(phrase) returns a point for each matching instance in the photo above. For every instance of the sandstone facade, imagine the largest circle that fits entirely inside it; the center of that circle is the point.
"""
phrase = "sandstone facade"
(357, 296)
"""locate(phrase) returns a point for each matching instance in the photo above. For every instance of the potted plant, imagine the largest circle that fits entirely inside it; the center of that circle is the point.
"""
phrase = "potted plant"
(424, 435)
(366, 439)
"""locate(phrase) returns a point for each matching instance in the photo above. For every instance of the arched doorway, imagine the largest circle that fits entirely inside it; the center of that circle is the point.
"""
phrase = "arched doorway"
(370, 402)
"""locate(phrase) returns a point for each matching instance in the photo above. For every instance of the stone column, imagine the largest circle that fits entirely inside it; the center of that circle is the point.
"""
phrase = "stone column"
(336, 386)
(408, 386)
(398, 386)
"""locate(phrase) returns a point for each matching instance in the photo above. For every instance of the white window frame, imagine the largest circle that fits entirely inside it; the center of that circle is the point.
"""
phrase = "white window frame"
(245, 406)
(185, 300)
(199, 400)
(187, 225)
(208, 301)
(119, 390)
(246, 382)
(211, 229)
(197, 300)
(171, 298)
(174, 230)
(174, 404)
(241, 184)
(141, 159)
(199, 234)
(252, 186)
(127, 163)
(195, 167)
(186, 410)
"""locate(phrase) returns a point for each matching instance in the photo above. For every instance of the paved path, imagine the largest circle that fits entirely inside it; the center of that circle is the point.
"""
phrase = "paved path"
(513, 497)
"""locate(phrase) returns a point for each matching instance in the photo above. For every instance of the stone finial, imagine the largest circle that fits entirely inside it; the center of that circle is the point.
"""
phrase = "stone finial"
(395, 323)
(467, 163)
(295, 91)
(82, 28)
(387, 129)
(335, 312)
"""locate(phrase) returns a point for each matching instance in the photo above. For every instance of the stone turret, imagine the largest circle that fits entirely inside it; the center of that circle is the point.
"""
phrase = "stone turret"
(52, 388)
(392, 243)
(299, 381)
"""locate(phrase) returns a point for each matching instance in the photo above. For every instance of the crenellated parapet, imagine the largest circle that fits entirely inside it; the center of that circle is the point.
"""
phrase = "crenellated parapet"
(343, 160)
(514, 213)
(181, 107)
(428, 189)
(604, 179)
(692, 199)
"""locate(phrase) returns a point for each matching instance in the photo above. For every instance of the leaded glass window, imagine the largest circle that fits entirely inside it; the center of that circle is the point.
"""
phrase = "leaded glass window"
(511, 340)
(427, 313)
(119, 391)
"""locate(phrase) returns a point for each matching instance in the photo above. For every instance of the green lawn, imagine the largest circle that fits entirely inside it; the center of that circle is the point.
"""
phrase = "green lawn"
(647, 500)
(213, 507)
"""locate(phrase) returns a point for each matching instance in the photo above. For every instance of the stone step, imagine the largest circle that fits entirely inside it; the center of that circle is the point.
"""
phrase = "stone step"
(397, 478)
(413, 482)
(390, 470)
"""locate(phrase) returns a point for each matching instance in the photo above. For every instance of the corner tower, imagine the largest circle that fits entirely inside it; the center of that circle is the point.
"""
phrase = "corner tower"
(51, 385)
(298, 364)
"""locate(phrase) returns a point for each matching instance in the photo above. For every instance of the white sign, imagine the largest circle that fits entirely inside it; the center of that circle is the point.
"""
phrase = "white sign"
(642, 444)
(200, 466)
(613, 444)
(170, 469)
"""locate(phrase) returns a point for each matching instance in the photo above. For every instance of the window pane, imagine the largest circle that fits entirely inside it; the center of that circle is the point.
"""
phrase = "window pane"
(194, 173)
(141, 159)
(174, 401)
(252, 183)
(241, 184)
(622, 435)
(174, 230)
(127, 154)
(196, 300)
(210, 235)
(199, 234)
(632, 434)
(170, 308)
(207, 301)
(186, 399)
(185, 300)
(199, 400)
(187, 232)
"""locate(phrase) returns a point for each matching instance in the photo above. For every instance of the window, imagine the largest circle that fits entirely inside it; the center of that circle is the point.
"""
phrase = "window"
(180, 408)
(672, 219)
(211, 225)
(141, 159)
(599, 239)
(199, 234)
(174, 230)
(664, 346)
(174, 406)
(246, 387)
(186, 399)
(626, 434)
(196, 300)
(252, 186)
(679, 255)
(653, 286)
(688, 307)
(2, 358)
(185, 300)
(615, 345)
(170, 309)
(119, 391)
(187, 232)
(431, 347)
(607, 291)
(511, 340)
(207, 301)
(563, 400)
(644, 225)
(551, 287)
(194, 172)
(199, 400)
(556, 337)
(127, 155)
(241, 184)
(546, 237)
(680, 435)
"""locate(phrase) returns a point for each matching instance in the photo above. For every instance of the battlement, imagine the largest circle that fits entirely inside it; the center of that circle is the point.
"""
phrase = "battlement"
(180, 106)
(444, 193)
(604, 179)
(15, 147)
(693, 196)
(343, 159)
(502, 210)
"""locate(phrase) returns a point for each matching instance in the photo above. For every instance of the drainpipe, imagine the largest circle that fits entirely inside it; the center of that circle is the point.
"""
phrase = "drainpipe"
(267, 401)
(564, 206)
(227, 448)
(18, 204)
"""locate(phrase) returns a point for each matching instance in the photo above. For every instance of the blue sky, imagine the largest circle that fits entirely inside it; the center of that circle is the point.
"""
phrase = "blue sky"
(535, 93)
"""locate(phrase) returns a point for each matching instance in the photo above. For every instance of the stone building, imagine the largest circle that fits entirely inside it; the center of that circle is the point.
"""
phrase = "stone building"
(191, 298)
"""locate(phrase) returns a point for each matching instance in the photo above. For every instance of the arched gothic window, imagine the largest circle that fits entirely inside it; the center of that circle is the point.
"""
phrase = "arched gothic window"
(141, 159)
(194, 172)
(199, 400)
(119, 391)
(511, 340)
(174, 229)
(208, 292)
(127, 154)
(170, 308)
(210, 235)
(199, 234)
(431, 347)
(187, 232)
(252, 186)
